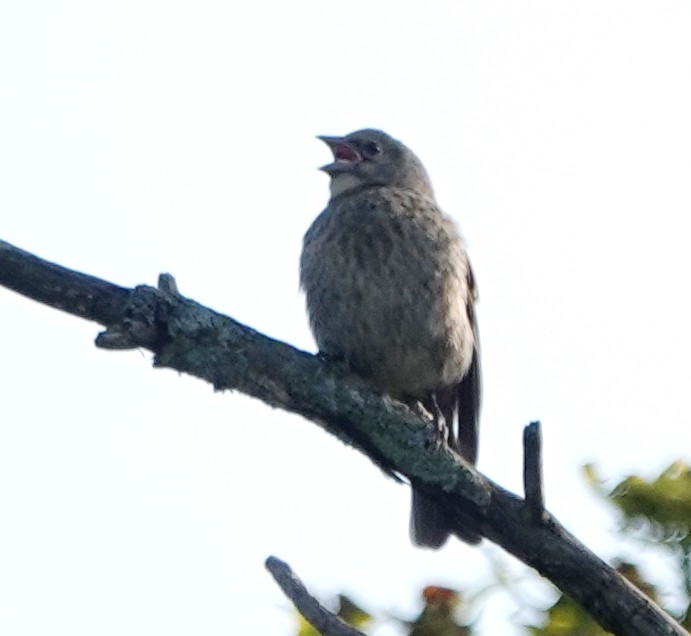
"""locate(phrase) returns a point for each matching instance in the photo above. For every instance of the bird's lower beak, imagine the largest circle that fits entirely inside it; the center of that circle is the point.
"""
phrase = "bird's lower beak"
(345, 155)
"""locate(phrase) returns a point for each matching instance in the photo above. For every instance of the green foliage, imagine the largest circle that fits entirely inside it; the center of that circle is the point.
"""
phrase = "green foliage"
(657, 512)
(663, 504)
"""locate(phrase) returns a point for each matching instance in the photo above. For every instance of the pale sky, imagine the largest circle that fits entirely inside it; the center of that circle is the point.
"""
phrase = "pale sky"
(149, 136)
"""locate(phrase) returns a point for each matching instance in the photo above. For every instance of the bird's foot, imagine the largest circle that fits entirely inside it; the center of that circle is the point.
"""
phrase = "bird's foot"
(441, 432)
(429, 410)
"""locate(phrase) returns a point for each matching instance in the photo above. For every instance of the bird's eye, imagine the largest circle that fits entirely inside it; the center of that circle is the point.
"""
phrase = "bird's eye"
(371, 149)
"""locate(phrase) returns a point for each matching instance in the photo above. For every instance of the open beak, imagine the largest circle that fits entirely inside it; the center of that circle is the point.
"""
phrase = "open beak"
(346, 157)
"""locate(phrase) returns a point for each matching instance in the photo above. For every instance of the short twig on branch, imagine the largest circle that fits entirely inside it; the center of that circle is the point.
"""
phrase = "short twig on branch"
(324, 621)
(196, 340)
(532, 471)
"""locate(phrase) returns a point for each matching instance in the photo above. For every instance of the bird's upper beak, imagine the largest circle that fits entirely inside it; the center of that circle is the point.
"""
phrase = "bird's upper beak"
(345, 155)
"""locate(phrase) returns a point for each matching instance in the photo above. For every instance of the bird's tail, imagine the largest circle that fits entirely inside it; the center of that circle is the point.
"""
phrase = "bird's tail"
(460, 404)
(429, 527)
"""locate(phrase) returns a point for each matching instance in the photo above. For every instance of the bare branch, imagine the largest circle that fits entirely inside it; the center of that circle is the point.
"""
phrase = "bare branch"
(79, 294)
(324, 621)
(196, 340)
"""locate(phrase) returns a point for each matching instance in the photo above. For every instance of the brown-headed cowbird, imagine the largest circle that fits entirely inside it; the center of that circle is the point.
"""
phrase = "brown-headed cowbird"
(390, 292)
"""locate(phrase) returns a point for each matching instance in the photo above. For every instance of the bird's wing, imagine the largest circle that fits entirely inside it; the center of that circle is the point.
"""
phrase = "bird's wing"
(469, 389)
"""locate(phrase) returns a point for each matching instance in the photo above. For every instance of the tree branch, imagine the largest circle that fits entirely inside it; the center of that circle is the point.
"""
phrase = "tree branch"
(193, 339)
(324, 621)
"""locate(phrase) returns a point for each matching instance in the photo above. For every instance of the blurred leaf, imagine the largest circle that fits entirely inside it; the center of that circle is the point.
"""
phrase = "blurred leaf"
(565, 618)
(304, 628)
(352, 613)
(664, 503)
(593, 479)
(438, 616)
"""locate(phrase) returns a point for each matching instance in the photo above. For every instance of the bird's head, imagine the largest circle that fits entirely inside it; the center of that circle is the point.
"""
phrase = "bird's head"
(373, 158)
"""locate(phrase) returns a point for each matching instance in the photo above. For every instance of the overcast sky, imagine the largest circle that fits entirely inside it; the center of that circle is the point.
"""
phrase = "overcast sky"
(149, 136)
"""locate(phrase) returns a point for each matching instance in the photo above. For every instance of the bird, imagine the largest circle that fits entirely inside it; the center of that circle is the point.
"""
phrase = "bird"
(391, 294)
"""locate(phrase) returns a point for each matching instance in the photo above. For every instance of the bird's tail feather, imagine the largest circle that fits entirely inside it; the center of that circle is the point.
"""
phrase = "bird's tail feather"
(429, 526)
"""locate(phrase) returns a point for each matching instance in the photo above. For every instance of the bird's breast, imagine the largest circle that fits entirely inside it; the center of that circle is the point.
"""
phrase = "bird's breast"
(385, 276)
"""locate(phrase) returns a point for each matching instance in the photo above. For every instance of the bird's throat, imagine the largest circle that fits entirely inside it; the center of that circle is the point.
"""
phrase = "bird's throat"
(344, 182)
